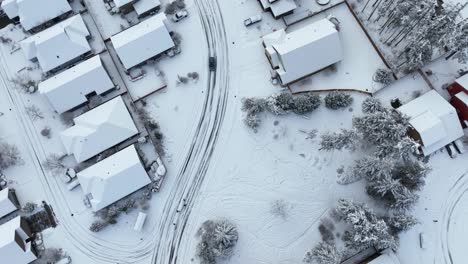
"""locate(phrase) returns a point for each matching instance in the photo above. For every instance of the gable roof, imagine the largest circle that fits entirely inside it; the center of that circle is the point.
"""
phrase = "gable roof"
(144, 6)
(68, 89)
(59, 44)
(278, 7)
(11, 252)
(435, 120)
(463, 80)
(113, 178)
(6, 205)
(304, 51)
(33, 13)
(99, 129)
(142, 41)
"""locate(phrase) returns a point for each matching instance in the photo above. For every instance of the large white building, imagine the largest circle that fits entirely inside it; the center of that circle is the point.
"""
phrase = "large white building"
(8, 203)
(434, 121)
(70, 88)
(113, 178)
(33, 13)
(304, 51)
(98, 130)
(58, 45)
(15, 242)
(143, 41)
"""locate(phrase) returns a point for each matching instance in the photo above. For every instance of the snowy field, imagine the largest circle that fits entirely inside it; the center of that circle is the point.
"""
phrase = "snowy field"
(248, 171)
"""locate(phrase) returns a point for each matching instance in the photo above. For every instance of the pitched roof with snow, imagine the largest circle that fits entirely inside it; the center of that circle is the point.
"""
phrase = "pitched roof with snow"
(99, 129)
(6, 205)
(142, 41)
(59, 44)
(13, 246)
(33, 13)
(463, 81)
(68, 89)
(120, 3)
(143, 6)
(278, 7)
(434, 119)
(304, 51)
(113, 178)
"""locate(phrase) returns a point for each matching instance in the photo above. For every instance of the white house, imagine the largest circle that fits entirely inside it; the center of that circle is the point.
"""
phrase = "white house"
(434, 121)
(386, 257)
(113, 178)
(33, 13)
(304, 51)
(143, 41)
(8, 202)
(141, 7)
(15, 242)
(70, 88)
(278, 8)
(98, 130)
(58, 45)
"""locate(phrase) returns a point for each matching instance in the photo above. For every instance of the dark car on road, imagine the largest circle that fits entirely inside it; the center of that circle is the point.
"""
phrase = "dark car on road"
(212, 63)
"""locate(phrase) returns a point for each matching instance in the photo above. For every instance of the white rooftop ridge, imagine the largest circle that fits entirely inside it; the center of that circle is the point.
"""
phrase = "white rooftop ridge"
(113, 178)
(14, 249)
(68, 89)
(279, 7)
(99, 129)
(59, 44)
(463, 80)
(434, 119)
(6, 205)
(143, 6)
(33, 13)
(305, 51)
(143, 41)
(120, 3)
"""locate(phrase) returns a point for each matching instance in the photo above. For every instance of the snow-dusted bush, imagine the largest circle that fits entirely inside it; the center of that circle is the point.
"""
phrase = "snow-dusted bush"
(54, 164)
(346, 139)
(9, 155)
(50, 255)
(336, 100)
(383, 76)
(29, 207)
(280, 104)
(97, 226)
(401, 222)
(306, 103)
(45, 132)
(323, 253)
(34, 112)
(193, 75)
(372, 105)
(217, 241)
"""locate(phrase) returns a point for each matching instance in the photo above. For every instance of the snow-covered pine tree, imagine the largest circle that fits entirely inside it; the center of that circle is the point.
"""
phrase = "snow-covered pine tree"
(336, 100)
(323, 253)
(345, 139)
(371, 105)
(401, 222)
(306, 103)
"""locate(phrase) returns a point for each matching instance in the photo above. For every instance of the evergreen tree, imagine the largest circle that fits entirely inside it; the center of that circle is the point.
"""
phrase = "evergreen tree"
(323, 253)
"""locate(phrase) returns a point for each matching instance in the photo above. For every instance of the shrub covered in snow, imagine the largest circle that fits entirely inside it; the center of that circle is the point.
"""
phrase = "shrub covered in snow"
(9, 155)
(306, 103)
(217, 241)
(54, 164)
(323, 253)
(371, 105)
(336, 100)
(383, 76)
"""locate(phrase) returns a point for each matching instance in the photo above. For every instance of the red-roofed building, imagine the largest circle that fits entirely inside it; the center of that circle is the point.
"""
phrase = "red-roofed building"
(459, 93)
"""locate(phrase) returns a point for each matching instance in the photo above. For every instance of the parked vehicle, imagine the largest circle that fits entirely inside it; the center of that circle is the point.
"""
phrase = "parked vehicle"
(252, 20)
(180, 15)
(212, 63)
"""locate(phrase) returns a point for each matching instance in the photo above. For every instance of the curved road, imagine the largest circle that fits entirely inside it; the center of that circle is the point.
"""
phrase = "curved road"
(191, 175)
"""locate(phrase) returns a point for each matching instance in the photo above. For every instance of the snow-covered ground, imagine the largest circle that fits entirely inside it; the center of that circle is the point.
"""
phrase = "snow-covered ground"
(243, 171)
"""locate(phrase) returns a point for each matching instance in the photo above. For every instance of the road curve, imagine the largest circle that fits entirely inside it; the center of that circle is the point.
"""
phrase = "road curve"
(192, 173)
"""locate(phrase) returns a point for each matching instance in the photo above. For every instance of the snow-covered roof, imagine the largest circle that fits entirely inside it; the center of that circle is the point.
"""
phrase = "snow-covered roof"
(113, 178)
(143, 6)
(6, 205)
(59, 44)
(462, 96)
(120, 3)
(99, 129)
(142, 41)
(387, 257)
(279, 7)
(304, 51)
(434, 119)
(463, 81)
(12, 241)
(68, 89)
(33, 13)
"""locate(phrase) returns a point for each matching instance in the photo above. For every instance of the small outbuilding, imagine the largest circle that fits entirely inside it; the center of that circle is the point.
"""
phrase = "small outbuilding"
(98, 130)
(305, 51)
(434, 122)
(143, 41)
(141, 7)
(278, 8)
(15, 242)
(113, 178)
(34, 13)
(71, 88)
(8, 202)
(459, 93)
(58, 46)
